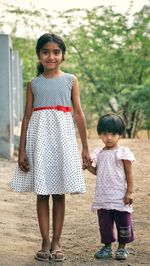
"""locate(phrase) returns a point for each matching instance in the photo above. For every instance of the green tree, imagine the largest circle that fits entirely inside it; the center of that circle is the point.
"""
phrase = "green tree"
(110, 58)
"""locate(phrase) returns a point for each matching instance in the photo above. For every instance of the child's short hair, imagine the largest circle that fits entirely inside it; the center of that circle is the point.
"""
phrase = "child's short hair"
(111, 123)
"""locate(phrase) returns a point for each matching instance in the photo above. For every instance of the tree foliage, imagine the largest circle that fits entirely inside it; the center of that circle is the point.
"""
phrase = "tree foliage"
(110, 57)
(113, 59)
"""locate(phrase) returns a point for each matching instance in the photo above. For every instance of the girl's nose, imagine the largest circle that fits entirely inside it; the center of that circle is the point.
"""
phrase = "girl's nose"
(109, 136)
(51, 56)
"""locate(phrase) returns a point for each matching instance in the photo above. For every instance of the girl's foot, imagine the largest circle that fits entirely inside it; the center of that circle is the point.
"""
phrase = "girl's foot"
(104, 253)
(43, 255)
(56, 253)
(121, 254)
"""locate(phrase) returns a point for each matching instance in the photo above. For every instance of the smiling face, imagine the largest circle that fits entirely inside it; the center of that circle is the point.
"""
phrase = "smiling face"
(50, 56)
(110, 139)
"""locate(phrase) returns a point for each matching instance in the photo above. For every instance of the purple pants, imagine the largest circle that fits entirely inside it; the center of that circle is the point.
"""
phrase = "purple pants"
(107, 218)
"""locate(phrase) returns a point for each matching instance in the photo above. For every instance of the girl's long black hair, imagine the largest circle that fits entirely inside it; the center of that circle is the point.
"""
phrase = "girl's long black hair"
(48, 37)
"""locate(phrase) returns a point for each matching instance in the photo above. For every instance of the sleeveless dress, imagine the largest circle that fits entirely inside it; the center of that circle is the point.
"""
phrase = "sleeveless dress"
(51, 145)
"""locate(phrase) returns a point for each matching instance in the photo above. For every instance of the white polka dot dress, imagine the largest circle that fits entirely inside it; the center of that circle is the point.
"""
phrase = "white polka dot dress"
(51, 146)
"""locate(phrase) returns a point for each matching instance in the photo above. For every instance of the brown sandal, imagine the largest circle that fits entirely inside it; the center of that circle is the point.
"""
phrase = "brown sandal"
(43, 255)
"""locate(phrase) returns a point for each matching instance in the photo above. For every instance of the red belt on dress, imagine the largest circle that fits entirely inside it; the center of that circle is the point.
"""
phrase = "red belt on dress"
(57, 107)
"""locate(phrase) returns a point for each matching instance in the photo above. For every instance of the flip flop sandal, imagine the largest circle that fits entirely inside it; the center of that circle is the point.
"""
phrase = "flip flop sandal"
(57, 255)
(43, 255)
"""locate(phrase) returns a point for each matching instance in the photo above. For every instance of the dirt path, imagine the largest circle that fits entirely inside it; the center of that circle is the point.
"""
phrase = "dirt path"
(19, 232)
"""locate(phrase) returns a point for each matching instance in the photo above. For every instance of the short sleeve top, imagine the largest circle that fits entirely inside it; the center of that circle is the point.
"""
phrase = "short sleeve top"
(111, 180)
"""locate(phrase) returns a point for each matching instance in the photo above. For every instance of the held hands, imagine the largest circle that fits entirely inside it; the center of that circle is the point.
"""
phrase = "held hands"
(23, 161)
(128, 199)
(86, 159)
(85, 165)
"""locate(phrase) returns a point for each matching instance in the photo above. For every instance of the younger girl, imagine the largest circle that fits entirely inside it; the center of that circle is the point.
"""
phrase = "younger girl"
(114, 187)
(49, 162)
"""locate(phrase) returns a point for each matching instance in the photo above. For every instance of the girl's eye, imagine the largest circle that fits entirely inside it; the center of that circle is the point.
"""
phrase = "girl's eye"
(57, 52)
(45, 52)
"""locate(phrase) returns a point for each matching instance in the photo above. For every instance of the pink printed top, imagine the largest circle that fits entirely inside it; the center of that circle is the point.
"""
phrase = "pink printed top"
(111, 182)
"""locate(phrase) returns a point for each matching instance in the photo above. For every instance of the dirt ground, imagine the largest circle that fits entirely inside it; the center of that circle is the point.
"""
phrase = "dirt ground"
(19, 232)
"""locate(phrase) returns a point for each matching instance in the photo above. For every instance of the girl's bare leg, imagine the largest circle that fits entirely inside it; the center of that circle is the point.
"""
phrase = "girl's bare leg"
(43, 219)
(58, 219)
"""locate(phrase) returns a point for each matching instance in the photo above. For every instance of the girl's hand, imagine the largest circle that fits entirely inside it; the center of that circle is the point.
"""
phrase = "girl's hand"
(85, 165)
(23, 161)
(128, 199)
(86, 158)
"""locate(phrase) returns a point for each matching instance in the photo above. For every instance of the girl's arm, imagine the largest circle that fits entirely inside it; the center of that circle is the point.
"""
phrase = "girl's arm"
(92, 170)
(128, 172)
(22, 158)
(80, 121)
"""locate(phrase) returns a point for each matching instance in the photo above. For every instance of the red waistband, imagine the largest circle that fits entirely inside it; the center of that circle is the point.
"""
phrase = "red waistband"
(57, 107)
